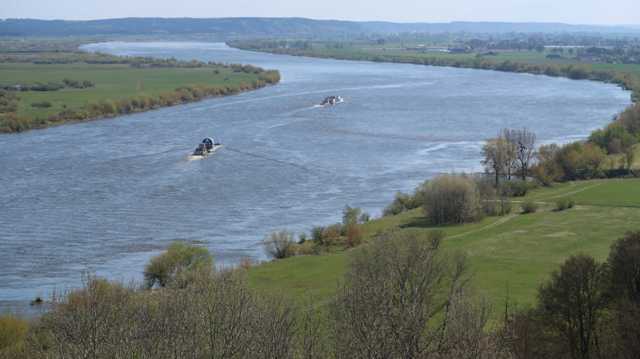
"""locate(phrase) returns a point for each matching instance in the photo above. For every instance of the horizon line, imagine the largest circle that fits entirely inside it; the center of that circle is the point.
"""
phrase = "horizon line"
(332, 19)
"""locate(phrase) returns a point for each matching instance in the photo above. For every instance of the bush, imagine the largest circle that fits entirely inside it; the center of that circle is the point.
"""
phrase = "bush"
(331, 235)
(451, 199)
(364, 217)
(574, 161)
(305, 249)
(492, 203)
(350, 215)
(13, 332)
(401, 203)
(316, 234)
(581, 161)
(516, 188)
(497, 207)
(529, 207)
(280, 244)
(547, 169)
(41, 104)
(564, 203)
(354, 235)
(177, 262)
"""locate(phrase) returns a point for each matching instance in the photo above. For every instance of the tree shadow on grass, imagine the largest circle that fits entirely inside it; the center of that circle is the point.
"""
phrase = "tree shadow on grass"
(424, 223)
(420, 222)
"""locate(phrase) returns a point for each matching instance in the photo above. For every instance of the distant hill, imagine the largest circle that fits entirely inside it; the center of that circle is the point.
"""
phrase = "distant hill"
(277, 27)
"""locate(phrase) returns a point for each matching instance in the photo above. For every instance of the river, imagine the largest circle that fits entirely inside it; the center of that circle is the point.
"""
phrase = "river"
(104, 196)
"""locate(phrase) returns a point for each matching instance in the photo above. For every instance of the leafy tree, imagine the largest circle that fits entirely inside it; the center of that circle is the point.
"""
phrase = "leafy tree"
(177, 261)
(350, 215)
(497, 153)
(548, 170)
(573, 302)
(624, 264)
(401, 203)
(451, 199)
(624, 291)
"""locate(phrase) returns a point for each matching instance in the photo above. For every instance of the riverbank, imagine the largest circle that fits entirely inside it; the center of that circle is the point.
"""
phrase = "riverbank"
(42, 89)
(627, 76)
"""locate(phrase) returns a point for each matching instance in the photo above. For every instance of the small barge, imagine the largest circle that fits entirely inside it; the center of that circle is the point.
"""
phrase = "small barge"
(207, 147)
(332, 101)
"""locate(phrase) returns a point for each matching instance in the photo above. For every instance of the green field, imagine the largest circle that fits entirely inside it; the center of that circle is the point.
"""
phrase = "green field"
(524, 56)
(509, 255)
(112, 82)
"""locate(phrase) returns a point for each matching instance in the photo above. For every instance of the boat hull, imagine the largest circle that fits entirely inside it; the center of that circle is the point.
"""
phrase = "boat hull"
(213, 150)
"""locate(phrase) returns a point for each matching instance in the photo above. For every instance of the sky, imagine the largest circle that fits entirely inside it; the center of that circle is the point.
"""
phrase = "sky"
(610, 12)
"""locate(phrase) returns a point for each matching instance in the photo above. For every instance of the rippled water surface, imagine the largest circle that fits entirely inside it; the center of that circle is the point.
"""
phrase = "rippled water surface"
(106, 195)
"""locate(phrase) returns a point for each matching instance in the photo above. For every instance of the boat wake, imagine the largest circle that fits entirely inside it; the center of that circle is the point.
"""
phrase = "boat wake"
(255, 155)
(209, 106)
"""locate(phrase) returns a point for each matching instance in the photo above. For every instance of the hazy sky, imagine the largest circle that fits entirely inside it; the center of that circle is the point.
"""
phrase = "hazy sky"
(568, 11)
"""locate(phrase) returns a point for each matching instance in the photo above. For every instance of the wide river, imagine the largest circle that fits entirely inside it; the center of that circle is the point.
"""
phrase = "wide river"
(104, 196)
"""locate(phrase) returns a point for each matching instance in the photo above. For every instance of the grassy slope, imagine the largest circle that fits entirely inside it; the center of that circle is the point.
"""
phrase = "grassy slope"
(112, 82)
(515, 252)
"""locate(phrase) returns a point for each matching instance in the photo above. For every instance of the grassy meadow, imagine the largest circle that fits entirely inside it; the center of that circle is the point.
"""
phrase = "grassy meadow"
(112, 82)
(509, 256)
(49, 84)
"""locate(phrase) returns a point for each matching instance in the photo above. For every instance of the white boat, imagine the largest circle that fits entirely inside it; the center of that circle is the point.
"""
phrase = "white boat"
(332, 101)
(207, 147)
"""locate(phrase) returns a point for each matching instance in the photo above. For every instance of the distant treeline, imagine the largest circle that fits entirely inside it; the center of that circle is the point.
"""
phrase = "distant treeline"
(49, 86)
(97, 58)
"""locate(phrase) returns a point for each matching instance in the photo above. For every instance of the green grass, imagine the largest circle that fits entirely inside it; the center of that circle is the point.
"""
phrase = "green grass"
(509, 255)
(112, 82)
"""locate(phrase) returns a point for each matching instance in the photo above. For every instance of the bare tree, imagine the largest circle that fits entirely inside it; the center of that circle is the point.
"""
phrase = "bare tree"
(312, 334)
(279, 244)
(498, 156)
(391, 298)
(524, 142)
(215, 315)
(92, 322)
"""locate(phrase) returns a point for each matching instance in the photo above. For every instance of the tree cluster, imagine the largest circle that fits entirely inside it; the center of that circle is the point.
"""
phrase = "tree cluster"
(49, 86)
(586, 310)
(509, 154)
(348, 234)
(402, 297)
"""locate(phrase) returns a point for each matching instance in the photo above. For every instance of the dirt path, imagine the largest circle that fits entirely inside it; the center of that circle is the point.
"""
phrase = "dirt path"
(573, 192)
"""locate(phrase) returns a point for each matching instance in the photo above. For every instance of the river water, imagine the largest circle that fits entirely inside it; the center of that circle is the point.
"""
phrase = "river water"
(104, 196)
